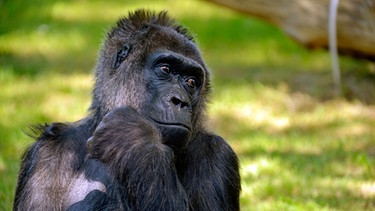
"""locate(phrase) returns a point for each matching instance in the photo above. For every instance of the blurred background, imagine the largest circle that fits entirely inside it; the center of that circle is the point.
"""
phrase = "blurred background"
(300, 146)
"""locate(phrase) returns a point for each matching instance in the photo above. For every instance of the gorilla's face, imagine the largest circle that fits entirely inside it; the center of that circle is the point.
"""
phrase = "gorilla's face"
(173, 83)
(159, 72)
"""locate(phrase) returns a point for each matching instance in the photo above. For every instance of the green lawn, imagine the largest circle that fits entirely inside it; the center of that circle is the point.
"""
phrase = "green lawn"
(300, 147)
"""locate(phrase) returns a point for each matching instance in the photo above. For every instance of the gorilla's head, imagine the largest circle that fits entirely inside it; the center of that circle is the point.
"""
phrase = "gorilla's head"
(151, 64)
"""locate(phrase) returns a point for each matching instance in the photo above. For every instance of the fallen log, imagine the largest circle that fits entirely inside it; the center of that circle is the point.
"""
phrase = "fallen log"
(306, 21)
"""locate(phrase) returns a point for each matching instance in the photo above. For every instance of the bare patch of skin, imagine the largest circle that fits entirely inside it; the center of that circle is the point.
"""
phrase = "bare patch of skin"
(81, 187)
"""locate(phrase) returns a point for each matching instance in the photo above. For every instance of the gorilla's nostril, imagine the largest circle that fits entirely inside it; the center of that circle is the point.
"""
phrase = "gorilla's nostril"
(176, 101)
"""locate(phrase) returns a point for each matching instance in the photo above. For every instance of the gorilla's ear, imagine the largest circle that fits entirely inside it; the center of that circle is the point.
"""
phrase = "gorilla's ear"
(120, 56)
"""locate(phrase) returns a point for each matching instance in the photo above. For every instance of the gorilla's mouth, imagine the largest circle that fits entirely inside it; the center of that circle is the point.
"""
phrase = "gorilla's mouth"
(175, 135)
(169, 124)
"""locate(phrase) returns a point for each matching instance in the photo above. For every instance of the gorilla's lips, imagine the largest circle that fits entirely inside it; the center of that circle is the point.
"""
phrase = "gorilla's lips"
(173, 124)
(175, 135)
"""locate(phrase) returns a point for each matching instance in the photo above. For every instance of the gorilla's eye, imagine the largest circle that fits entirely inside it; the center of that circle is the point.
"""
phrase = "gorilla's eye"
(165, 69)
(191, 82)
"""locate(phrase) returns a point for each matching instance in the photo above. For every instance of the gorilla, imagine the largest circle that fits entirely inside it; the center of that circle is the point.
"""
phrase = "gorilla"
(145, 143)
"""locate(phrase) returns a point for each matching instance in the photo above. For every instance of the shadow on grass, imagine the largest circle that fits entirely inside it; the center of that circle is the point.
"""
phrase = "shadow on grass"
(320, 160)
(302, 177)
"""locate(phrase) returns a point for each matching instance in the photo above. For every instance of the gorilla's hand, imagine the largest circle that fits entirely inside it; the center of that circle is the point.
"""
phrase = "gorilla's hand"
(125, 138)
(122, 126)
(131, 148)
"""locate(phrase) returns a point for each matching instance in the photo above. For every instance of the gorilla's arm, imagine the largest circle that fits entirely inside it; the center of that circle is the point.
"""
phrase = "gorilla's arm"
(130, 147)
(208, 169)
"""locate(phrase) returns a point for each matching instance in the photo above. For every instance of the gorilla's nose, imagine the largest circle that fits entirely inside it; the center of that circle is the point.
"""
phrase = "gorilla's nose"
(180, 102)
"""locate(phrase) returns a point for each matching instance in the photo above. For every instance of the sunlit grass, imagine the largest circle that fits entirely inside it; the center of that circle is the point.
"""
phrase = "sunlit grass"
(299, 147)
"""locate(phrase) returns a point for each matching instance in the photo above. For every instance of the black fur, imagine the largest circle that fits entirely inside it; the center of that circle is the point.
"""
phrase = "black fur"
(144, 145)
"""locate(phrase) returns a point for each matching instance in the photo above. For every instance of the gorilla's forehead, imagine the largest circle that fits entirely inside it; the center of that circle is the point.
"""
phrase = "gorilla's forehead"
(161, 38)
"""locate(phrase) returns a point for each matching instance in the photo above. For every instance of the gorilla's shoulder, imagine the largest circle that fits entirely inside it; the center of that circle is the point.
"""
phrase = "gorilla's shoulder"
(212, 142)
(210, 137)
(47, 130)
(58, 131)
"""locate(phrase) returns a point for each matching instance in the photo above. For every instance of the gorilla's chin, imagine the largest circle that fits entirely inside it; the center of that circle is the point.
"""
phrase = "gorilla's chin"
(173, 135)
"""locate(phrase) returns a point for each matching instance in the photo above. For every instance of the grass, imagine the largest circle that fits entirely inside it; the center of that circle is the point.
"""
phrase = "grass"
(300, 147)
